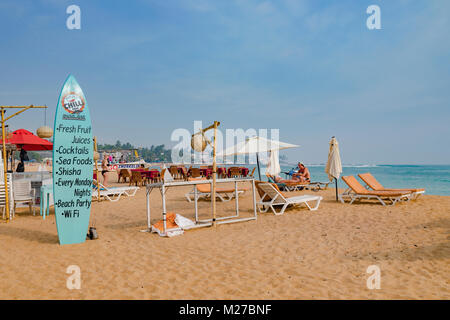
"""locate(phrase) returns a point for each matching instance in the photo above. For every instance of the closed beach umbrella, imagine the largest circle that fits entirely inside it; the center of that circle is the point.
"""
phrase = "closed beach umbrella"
(255, 145)
(273, 167)
(334, 165)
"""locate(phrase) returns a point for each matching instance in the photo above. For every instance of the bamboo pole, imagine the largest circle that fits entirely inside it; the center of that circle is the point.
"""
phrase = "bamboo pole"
(5, 164)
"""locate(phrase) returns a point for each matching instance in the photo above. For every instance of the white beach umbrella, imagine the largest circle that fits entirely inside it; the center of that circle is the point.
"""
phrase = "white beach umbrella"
(334, 165)
(255, 145)
(273, 167)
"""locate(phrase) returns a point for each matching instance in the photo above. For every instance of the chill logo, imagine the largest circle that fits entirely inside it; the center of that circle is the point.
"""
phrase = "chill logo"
(73, 103)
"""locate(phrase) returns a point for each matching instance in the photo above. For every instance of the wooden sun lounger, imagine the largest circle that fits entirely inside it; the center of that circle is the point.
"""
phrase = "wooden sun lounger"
(373, 183)
(357, 192)
(273, 197)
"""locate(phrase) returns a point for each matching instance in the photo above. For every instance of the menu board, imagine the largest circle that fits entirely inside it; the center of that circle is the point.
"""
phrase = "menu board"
(72, 164)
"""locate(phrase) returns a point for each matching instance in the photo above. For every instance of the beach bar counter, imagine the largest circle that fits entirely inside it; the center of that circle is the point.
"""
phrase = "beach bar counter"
(164, 186)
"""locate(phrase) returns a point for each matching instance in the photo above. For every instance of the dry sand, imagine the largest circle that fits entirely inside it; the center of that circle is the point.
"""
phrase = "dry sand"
(300, 255)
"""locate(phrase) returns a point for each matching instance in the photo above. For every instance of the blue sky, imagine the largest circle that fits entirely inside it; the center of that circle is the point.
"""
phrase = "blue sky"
(308, 67)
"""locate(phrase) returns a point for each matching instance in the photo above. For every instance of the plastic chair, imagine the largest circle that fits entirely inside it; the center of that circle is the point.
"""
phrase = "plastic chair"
(46, 190)
(24, 193)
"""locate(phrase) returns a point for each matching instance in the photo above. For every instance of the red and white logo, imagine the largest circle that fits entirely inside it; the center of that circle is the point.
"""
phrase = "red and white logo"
(73, 103)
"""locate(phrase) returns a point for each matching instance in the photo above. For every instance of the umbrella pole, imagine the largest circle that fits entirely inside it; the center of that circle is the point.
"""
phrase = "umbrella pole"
(213, 193)
(259, 170)
(336, 189)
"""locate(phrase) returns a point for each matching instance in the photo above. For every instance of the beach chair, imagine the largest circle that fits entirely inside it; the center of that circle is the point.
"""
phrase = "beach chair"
(174, 172)
(357, 192)
(136, 178)
(128, 191)
(3, 198)
(184, 173)
(273, 197)
(373, 184)
(234, 172)
(108, 194)
(204, 191)
(263, 195)
(23, 193)
(294, 185)
(195, 173)
(124, 174)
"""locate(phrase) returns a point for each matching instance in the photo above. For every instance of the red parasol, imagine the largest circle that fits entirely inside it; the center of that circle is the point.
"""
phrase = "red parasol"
(29, 141)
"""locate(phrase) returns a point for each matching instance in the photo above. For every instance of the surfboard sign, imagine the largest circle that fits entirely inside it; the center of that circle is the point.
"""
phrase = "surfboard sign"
(72, 164)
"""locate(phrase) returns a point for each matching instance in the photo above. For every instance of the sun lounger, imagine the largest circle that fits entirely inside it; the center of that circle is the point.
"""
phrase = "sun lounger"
(204, 191)
(128, 191)
(356, 192)
(112, 194)
(297, 185)
(373, 183)
(273, 197)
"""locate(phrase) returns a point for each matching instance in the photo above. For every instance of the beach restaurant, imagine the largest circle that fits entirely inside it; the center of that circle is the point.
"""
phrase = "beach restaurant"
(24, 188)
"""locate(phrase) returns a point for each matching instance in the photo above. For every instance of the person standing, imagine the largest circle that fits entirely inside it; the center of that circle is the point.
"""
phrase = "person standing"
(105, 169)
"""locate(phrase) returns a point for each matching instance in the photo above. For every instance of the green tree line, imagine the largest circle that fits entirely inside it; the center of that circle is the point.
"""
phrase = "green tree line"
(153, 154)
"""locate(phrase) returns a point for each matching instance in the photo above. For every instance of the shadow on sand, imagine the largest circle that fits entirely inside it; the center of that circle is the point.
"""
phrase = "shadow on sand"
(27, 234)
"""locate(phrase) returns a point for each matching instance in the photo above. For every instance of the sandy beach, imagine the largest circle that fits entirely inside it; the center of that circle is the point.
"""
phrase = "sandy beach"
(300, 255)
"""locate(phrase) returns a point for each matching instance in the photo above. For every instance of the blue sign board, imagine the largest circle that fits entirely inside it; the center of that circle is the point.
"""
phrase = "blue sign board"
(72, 164)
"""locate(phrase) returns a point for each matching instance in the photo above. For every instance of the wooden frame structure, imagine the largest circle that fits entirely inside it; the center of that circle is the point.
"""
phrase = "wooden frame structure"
(163, 186)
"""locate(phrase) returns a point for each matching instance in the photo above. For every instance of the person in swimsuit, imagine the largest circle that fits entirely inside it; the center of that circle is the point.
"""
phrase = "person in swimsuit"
(302, 174)
(105, 169)
(279, 179)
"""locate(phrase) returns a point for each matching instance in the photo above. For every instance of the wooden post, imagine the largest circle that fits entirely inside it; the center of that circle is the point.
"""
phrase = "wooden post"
(213, 194)
(5, 164)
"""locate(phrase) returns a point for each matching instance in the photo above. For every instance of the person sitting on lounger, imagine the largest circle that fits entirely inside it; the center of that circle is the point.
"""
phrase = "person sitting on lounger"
(302, 175)
(279, 179)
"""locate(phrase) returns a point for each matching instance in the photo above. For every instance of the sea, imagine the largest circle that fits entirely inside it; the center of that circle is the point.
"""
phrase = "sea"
(434, 178)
